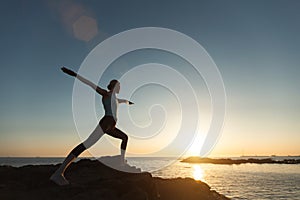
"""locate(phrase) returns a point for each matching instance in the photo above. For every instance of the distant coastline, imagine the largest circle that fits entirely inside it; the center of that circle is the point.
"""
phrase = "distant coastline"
(273, 156)
(228, 161)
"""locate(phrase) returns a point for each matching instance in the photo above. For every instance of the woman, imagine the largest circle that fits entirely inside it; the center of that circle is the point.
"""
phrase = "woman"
(106, 125)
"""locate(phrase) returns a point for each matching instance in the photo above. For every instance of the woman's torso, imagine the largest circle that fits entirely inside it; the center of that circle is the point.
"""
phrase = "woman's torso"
(110, 104)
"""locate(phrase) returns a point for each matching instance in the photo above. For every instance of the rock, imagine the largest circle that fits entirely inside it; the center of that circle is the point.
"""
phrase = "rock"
(135, 193)
(91, 179)
(101, 194)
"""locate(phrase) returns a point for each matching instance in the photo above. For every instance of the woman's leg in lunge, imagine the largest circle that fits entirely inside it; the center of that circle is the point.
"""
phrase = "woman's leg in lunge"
(58, 176)
(117, 133)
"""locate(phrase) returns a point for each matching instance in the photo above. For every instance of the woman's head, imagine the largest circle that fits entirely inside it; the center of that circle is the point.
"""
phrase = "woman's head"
(114, 85)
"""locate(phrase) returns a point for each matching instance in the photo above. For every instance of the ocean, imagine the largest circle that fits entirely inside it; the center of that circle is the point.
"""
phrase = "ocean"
(245, 181)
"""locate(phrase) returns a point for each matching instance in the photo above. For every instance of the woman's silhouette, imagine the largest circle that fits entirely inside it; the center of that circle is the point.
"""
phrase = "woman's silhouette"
(106, 125)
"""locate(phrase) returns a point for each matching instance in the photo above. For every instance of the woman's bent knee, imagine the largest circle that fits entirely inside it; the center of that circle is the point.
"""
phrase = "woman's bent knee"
(125, 138)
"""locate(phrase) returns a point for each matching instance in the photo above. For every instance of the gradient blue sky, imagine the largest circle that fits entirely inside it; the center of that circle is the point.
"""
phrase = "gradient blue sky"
(254, 43)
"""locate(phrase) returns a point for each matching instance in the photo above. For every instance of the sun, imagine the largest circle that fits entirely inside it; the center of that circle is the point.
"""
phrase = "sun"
(194, 149)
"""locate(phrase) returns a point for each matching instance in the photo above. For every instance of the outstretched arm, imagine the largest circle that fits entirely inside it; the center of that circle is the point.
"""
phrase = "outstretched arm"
(84, 80)
(125, 101)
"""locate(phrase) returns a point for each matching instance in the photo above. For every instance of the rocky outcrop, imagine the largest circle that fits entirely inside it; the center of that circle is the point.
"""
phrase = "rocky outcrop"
(94, 180)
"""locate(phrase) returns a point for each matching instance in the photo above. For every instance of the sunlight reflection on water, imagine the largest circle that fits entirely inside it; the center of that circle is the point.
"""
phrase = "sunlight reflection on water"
(198, 173)
(246, 181)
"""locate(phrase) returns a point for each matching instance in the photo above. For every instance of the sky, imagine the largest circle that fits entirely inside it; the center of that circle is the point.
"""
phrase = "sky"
(255, 45)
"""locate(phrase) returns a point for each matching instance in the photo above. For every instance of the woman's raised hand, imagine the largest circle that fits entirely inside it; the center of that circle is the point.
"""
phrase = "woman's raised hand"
(68, 71)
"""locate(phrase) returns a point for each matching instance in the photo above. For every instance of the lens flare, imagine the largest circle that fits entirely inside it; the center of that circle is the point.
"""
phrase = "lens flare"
(165, 119)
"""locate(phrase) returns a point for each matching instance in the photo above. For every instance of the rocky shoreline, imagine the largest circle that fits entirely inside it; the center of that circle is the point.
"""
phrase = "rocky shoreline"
(90, 179)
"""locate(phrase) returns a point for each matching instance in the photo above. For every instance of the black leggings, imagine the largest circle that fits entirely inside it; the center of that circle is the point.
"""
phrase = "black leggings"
(106, 125)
